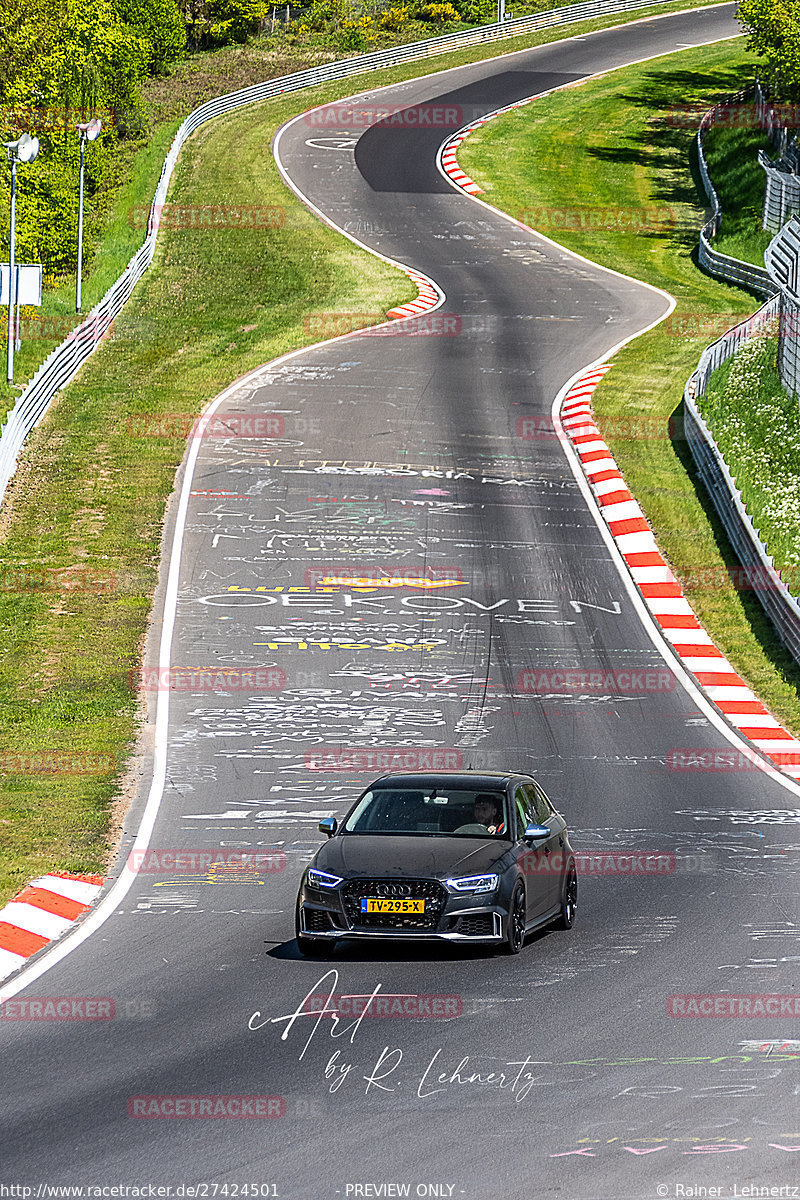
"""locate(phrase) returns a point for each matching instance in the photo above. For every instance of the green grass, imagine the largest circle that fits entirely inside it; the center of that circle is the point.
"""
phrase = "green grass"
(87, 496)
(757, 427)
(609, 145)
(732, 157)
(90, 496)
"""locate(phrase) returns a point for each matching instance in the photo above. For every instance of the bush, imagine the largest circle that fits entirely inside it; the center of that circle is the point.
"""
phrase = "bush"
(356, 35)
(324, 16)
(481, 12)
(439, 14)
(394, 18)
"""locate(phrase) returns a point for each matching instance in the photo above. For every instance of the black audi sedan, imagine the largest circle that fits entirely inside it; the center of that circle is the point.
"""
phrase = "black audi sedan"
(468, 856)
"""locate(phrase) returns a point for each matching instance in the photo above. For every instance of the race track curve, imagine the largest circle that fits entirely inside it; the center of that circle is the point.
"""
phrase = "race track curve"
(398, 451)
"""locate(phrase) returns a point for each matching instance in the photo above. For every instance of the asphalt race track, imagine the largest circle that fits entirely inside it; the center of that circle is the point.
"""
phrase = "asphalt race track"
(396, 454)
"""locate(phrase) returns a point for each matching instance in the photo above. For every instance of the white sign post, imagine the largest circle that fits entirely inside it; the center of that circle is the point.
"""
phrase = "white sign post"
(28, 289)
(25, 150)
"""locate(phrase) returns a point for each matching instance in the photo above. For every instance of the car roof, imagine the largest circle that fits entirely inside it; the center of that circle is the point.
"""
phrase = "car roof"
(469, 779)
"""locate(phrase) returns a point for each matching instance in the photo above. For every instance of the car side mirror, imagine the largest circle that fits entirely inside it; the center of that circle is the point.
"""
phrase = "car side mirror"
(533, 832)
(328, 825)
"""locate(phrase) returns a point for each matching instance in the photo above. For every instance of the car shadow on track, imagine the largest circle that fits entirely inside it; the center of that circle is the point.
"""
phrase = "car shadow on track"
(354, 950)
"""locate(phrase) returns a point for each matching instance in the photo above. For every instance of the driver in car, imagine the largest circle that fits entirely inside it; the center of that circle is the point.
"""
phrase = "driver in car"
(487, 812)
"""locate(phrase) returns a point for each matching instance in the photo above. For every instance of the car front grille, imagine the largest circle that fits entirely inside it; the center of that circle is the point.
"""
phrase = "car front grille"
(317, 921)
(481, 925)
(428, 890)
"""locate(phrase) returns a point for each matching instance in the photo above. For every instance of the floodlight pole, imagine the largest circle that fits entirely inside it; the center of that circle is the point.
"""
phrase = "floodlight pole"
(80, 228)
(12, 273)
(87, 132)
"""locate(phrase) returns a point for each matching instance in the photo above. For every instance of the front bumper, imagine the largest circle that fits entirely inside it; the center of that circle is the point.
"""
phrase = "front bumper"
(496, 923)
(335, 914)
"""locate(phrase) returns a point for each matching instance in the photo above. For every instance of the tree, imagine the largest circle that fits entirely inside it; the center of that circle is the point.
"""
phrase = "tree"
(235, 20)
(159, 21)
(61, 65)
(774, 34)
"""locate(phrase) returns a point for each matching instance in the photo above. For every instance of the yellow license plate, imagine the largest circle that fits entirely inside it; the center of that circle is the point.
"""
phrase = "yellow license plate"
(371, 905)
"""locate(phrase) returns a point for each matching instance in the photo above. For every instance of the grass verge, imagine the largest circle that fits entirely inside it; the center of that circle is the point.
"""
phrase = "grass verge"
(83, 516)
(609, 145)
(757, 428)
(732, 157)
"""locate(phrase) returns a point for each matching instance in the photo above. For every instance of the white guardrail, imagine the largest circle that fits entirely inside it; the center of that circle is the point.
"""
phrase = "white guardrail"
(775, 597)
(722, 266)
(63, 363)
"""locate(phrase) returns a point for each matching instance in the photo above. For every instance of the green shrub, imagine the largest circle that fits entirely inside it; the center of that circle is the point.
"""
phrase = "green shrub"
(439, 14)
(160, 21)
(394, 18)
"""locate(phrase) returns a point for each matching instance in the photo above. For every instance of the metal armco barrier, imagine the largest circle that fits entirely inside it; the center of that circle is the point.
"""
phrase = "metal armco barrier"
(776, 599)
(782, 194)
(781, 312)
(63, 363)
(722, 266)
(782, 258)
(770, 120)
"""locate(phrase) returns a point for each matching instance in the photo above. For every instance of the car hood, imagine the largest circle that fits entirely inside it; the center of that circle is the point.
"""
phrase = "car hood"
(363, 854)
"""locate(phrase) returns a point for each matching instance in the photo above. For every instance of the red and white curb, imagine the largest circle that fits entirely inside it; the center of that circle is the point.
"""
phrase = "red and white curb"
(661, 591)
(427, 297)
(41, 912)
(449, 149)
(450, 165)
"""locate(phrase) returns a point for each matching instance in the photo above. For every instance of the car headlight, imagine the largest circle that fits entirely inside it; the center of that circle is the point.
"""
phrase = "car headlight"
(473, 883)
(323, 879)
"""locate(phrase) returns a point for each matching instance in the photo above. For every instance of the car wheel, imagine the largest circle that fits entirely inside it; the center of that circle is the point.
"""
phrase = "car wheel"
(569, 900)
(515, 935)
(312, 947)
(309, 947)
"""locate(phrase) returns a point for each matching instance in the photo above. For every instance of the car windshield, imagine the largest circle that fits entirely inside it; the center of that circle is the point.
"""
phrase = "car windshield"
(436, 812)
